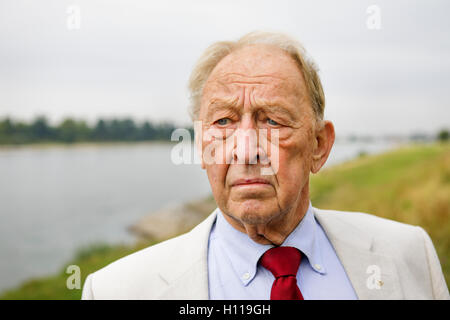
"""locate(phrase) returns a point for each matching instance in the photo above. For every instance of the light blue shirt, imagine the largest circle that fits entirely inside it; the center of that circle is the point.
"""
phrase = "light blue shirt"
(234, 272)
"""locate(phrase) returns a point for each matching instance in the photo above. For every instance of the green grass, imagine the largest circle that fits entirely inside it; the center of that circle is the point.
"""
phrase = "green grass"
(411, 185)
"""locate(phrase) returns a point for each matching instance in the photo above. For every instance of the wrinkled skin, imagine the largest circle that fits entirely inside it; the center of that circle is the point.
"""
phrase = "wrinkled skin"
(261, 87)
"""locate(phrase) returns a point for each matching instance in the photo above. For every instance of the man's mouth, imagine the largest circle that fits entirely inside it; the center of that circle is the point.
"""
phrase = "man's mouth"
(250, 182)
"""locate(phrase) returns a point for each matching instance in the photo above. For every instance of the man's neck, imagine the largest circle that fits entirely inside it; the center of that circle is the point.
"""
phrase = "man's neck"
(276, 230)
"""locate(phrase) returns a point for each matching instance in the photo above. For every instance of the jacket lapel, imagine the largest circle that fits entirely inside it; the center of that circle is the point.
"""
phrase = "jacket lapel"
(373, 275)
(186, 275)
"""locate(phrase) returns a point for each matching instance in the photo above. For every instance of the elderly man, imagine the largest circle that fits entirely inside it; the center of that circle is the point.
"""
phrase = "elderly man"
(260, 106)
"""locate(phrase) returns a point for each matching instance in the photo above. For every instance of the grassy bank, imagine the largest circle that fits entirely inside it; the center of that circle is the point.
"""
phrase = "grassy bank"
(410, 185)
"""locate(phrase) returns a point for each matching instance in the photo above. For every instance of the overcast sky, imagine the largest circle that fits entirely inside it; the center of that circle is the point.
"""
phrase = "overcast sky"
(133, 58)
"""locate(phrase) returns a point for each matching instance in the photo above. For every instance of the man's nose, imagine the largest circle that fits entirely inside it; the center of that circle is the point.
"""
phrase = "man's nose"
(246, 149)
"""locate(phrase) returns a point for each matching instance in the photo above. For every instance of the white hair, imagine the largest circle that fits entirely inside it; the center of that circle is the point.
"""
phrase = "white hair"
(217, 51)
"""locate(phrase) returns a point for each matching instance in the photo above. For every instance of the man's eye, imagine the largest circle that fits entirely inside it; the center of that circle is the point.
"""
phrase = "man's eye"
(223, 121)
(272, 122)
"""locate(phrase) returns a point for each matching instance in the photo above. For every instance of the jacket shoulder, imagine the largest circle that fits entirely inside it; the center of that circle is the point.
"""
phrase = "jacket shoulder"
(410, 247)
(138, 275)
(379, 235)
(370, 224)
(123, 278)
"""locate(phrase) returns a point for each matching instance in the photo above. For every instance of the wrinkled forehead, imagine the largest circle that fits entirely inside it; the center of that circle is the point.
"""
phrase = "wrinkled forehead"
(264, 70)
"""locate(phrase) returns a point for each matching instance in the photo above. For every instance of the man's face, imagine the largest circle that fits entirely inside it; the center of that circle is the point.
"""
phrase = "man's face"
(258, 88)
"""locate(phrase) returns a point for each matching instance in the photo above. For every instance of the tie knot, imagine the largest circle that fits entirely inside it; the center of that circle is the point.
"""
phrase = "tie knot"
(282, 261)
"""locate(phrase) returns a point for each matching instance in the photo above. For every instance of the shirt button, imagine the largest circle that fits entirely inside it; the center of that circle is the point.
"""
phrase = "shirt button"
(246, 276)
(317, 266)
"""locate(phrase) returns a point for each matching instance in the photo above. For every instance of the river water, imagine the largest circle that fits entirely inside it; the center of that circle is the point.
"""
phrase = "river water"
(56, 199)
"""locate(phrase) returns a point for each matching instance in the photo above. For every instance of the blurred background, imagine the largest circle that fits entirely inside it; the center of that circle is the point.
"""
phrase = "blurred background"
(91, 91)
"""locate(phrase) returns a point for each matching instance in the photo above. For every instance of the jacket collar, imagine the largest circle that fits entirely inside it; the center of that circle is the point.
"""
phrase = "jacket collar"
(187, 274)
(372, 274)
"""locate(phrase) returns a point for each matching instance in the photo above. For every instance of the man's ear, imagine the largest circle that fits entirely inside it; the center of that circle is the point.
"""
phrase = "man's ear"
(324, 142)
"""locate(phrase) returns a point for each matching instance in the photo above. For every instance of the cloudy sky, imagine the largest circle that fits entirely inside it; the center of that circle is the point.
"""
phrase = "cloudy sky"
(385, 65)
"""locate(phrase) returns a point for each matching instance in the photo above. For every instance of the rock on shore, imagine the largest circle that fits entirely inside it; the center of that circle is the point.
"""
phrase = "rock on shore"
(173, 220)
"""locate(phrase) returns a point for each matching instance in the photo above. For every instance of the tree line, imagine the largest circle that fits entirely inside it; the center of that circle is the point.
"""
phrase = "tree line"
(105, 130)
(72, 130)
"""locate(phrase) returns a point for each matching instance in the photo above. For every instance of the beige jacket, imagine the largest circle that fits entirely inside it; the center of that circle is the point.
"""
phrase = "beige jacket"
(383, 259)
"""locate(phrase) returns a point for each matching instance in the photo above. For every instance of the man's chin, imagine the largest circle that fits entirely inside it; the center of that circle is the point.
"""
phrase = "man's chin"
(254, 212)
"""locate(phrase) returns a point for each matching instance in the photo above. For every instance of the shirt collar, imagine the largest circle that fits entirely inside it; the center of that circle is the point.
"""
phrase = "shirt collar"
(305, 238)
(244, 253)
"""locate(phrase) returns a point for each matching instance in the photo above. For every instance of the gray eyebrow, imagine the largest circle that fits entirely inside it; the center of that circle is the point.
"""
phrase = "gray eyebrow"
(218, 104)
(221, 104)
(276, 108)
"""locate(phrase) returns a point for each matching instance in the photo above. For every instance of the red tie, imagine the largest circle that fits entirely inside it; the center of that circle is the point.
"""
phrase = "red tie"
(283, 262)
